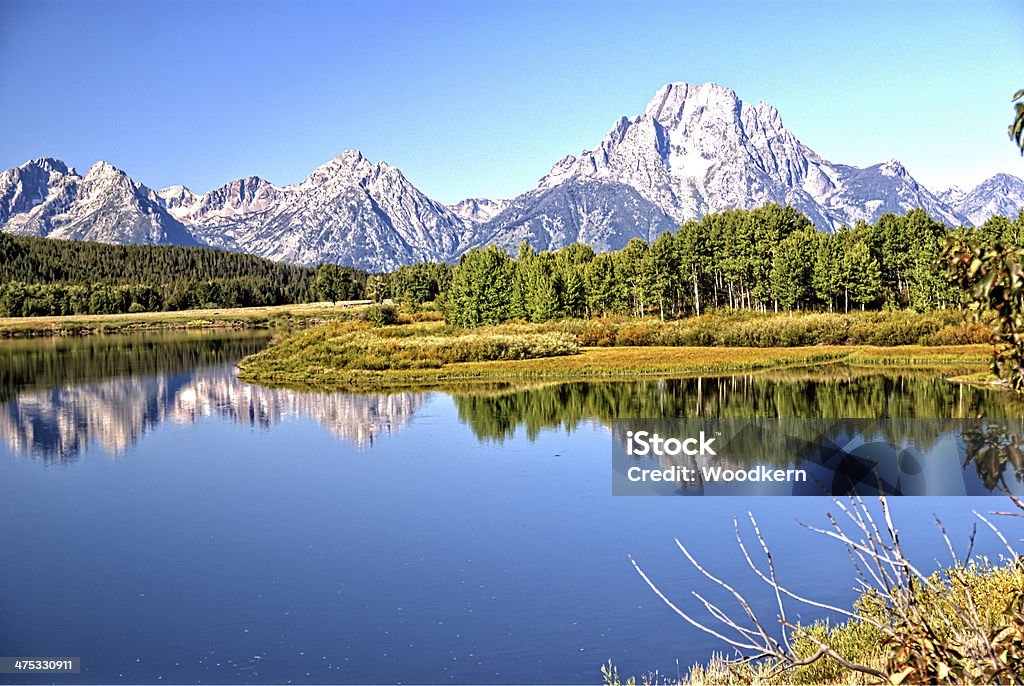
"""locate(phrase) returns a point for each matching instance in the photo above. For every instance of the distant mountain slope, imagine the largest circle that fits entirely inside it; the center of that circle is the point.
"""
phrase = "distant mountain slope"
(1001, 194)
(603, 214)
(349, 210)
(45, 198)
(695, 149)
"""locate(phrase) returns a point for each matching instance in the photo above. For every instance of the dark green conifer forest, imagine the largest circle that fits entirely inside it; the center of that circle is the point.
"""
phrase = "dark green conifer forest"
(40, 276)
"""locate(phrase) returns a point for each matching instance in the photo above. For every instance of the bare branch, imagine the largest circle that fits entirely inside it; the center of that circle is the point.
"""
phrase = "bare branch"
(998, 533)
(682, 614)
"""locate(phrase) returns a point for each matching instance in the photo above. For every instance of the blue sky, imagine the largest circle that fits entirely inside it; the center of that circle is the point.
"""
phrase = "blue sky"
(476, 98)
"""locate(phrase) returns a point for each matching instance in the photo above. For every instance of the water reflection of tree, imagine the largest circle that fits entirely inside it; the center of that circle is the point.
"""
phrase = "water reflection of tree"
(838, 392)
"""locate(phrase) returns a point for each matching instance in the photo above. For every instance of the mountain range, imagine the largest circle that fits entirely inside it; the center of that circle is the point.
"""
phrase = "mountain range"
(695, 149)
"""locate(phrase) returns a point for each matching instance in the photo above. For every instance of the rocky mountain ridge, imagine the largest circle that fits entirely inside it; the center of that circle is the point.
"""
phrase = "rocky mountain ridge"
(695, 149)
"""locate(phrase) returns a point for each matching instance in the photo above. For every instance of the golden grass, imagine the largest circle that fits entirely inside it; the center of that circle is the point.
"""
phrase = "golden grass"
(237, 317)
(623, 363)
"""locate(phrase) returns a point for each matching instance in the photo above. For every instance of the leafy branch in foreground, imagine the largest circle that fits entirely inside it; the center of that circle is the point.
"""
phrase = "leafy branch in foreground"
(993, 277)
(963, 625)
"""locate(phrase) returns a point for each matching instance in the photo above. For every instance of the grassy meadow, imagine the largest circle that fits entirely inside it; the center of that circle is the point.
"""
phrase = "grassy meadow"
(355, 354)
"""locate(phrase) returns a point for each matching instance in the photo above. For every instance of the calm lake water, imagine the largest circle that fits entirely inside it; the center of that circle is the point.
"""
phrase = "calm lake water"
(166, 522)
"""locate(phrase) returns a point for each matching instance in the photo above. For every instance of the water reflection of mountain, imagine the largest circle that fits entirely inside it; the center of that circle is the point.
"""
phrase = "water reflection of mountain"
(59, 361)
(61, 395)
(358, 419)
(56, 425)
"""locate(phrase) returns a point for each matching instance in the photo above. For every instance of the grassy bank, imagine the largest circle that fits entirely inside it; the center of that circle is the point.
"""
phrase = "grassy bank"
(994, 591)
(353, 355)
(307, 314)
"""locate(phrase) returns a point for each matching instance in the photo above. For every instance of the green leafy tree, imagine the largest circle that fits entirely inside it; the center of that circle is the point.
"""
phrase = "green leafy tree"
(694, 249)
(604, 290)
(329, 283)
(635, 270)
(481, 288)
(793, 271)
(540, 285)
(993, 277)
(666, 277)
(771, 224)
(862, 277)
(827, 273)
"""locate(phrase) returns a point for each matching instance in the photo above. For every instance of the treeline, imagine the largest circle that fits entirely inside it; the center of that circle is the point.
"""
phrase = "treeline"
(40, 276)
(766, 259)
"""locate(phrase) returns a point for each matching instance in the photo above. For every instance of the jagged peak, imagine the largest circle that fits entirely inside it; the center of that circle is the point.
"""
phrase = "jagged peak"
(768, 115)
(351, 156)
(350, 167)
(176, 196)
(349, 162)
(893, 167)
(247, 182)
(50, 164)
(348, 159)
(101, 169)
(671, 99)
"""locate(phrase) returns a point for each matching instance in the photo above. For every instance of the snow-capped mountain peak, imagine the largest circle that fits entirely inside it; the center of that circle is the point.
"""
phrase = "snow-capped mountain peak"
(893, 168)
(46, 198)
(177, 199)
(699, 148)
(477, 210)
(103, 169)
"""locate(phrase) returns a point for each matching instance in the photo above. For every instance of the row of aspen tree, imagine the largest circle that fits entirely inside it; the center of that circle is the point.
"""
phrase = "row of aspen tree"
(767, 259)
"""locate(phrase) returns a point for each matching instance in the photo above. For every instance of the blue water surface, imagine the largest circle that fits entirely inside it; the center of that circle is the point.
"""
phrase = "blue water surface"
(202, 531)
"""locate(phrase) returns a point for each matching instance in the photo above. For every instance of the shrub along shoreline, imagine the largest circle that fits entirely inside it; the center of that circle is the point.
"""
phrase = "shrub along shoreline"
(992, 588)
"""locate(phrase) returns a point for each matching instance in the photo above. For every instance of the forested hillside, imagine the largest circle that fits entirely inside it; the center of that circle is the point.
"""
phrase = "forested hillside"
(40, 276)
